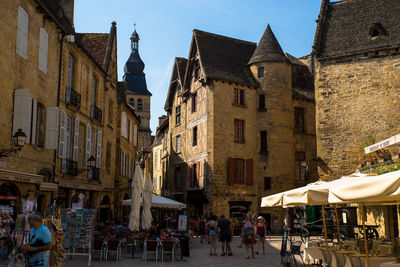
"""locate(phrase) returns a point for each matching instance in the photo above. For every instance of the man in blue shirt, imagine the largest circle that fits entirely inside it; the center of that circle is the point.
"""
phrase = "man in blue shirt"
(40, 242)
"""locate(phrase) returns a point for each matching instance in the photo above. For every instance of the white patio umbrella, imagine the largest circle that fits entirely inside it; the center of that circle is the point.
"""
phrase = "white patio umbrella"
(147, 197)
(137, 185)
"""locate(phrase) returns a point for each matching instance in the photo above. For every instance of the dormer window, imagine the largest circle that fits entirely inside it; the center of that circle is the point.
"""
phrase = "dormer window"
(132, 102)
(376, 29)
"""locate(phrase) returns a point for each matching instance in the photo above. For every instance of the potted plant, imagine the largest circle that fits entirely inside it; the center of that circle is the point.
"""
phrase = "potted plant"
(370, 162)
(395, 156)
(381, 158)
(362, 164)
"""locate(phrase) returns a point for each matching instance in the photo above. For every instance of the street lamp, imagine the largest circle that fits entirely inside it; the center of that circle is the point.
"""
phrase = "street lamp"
(91, 161)
(18, 139)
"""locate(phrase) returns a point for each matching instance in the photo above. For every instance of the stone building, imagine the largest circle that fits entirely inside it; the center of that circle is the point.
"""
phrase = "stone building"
(137, 95)
(160, 157)
(32, 34)
(356, 61)
(247, 129)
(127, 141)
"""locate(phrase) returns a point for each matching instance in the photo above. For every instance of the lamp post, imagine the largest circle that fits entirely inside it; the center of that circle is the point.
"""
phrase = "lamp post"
(18, 139)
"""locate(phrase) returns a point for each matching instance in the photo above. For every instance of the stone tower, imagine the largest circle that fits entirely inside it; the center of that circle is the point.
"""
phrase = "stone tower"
(137, 94)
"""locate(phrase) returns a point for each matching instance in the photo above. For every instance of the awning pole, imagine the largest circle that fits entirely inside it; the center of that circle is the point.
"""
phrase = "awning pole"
(365, 235)
(338, 227)
(324, 220)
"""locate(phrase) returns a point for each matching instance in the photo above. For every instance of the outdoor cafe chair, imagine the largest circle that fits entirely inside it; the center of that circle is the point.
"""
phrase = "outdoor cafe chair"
(99, 247)
(353, 261)
(150, 246)
(327, 260)
(113, 247)
(168, 247)
(338, 259)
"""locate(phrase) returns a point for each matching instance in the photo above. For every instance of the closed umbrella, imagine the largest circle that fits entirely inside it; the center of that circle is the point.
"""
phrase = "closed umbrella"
(147, 197)
(137, 184)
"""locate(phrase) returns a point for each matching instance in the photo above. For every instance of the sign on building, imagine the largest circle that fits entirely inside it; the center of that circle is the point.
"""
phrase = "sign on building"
(382, 144)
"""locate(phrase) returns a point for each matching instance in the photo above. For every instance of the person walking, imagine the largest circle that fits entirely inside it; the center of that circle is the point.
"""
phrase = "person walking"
(248, 235)
(39, 242)
(202, 229)
(225, 235)
(212, 234)
(261, 230)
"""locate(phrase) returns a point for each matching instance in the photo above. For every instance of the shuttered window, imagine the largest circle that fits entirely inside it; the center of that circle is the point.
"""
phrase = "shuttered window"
(51, 128)
(92, 142)
(76, 140)
(61, 143)
(68, 131)
(240, 171)
(22, 33)
(98, 149)
(88, 142)
(22, 112)
(43, 50)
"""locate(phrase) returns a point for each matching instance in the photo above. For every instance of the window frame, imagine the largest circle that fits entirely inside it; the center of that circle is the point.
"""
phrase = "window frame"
(239, 97)
(299, 120)
(194, 136)
(178, 112)
(260, 72)
(194, 96)
(300, 158)
(239, 128)
(178, 144)
(263, 142)
(140, 105)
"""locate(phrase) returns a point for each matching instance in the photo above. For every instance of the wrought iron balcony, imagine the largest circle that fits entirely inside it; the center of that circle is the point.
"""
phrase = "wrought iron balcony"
(73, 98)
(96, 113)
(70, 167)
(94, 173)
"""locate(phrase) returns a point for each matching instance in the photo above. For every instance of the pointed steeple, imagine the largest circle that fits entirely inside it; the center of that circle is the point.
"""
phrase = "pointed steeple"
(268, 49)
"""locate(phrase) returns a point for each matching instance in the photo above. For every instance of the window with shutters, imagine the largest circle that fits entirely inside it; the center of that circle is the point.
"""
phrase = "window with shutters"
(239, 131)
(61, 143)
(178, 144)
(194, 136)
(68, 131)
(267, 183)
(140, 105)
(301, 167)
(71, 71)
(22, 33)
(51, 135)
(92, 142)
(135, 136)
(155, 159)
(121, 160)
(299, 120)
(178, 177)
(123, 125)
(126, 167)
(240, 171)
(263, 142)
(99, 148)
(261, 103)
(238, 97)
(22, 116)
(194, 175)
(75, 150)
(43, 50)
(177, 115)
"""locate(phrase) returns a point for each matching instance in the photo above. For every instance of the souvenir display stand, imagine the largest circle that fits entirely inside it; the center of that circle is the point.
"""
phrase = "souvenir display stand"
(78, 226)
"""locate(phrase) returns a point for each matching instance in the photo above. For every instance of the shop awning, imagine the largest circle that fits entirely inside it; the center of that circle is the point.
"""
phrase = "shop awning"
(160, 202)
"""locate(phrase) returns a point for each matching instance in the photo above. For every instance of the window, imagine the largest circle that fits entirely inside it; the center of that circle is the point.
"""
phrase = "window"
(194, 96)
(299, 120)
(38, 124)
(239, 131)
(128, 128)
(196, 70)
(110, 111)
(263, 142)
(301, 167)
(267, 183)
(108, 157)
(240, 171)
(22, 33)
(43, 50)
(70, 71)
(140, 105)
(155, 159)
(238, 97)
(260, 72)
(132, 102)
(261, 103)
(178, 144)
(194, 175)
(194, 141)
(178, 177)
(178, 115)
(94, 91)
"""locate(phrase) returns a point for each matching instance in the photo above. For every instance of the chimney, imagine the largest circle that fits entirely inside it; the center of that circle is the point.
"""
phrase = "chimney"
(68, 7)
(161, 120)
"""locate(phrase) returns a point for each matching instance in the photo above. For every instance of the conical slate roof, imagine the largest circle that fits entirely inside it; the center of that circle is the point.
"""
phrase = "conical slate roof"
(268, 49)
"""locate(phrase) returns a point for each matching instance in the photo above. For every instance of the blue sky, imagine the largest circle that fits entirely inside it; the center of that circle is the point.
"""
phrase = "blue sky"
(165, 28)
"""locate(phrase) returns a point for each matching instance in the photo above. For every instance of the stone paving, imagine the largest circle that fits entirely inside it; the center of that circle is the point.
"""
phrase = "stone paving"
(200, 257)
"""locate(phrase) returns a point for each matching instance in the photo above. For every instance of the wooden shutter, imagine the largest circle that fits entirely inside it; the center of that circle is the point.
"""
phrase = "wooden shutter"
(88, 142)
(98, 149)
(123, 124)
(249, 172)
(230, 171)
(22, 33)
(34, 122)
(43, 50)
(197, 173)
(76, 140)
(22, 112)
(61, 143)
(190, 176)
(92, 140)
(51, 128)
(67, 140)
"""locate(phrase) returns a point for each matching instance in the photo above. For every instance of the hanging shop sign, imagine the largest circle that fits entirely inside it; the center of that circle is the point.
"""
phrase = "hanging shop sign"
(382, 144)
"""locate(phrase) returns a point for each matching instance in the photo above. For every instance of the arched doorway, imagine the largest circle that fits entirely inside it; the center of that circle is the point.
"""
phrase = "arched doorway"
(10, 196)
(105, 211)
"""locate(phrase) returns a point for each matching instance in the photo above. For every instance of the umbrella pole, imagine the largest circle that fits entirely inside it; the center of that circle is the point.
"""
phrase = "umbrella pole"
(338, 227)
(365, 236)
(324, 221)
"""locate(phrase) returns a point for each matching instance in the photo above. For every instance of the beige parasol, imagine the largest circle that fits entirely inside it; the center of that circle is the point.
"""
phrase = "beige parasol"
(147, 197)
(137, 185)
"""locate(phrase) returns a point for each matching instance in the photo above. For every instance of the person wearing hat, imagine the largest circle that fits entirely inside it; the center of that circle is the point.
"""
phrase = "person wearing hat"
(261, 230)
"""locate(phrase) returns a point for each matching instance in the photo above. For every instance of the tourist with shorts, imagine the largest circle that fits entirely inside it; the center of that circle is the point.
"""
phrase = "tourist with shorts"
(248, 235)
(225, 235)
(261, 230)
(212, 234)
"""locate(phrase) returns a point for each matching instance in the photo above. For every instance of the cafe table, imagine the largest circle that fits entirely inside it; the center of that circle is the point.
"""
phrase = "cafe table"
(377, 261)
(390, 264)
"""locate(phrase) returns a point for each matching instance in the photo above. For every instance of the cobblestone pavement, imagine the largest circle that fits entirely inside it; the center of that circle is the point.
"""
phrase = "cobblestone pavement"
(200, 257)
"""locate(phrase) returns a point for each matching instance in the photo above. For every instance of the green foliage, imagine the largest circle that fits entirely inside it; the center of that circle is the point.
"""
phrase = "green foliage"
(369, 140)
(387, 168)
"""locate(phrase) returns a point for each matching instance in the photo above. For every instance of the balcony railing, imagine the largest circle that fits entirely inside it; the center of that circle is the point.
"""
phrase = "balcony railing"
(96, 113)
(70, 167)
(94, 173)
(73, 98)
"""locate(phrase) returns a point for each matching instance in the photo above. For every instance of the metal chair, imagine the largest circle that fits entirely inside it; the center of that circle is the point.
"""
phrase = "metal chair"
(99, 247)
(168, 247)
(150, 246)
(113, 247)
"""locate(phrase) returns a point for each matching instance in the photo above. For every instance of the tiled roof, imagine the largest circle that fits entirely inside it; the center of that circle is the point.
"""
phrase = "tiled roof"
(95, 44)
(178, 73)
(223, 58)
(54, 10)
(345, 27)
(268, 49)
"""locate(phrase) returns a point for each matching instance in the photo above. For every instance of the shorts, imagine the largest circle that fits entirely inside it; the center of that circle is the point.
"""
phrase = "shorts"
(261, 237)
(225, 238)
